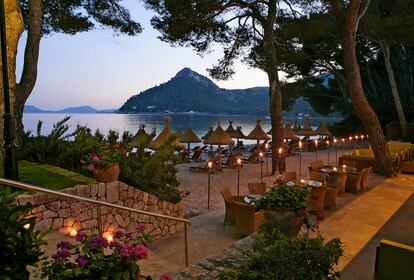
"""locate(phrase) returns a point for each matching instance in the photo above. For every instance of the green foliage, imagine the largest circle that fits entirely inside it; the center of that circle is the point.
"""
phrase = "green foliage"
(155, 174)
(19, 246)
(74, 16)
(276, 256)
(88, 259)
(286, 197)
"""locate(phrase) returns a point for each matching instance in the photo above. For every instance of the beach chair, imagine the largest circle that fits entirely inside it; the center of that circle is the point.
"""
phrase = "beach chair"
(229, 199)
(365, 176)
(336, 183)
(317, 199)
(256, 188)
(318, 176)
(394, 261)
(251, 159)
(231, 161)
(196, 155)
(290, 176)
(334, 179)
(353, 182)
(248, 221)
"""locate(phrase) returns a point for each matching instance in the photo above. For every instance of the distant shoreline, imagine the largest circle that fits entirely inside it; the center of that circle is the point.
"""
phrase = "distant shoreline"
(179, 113)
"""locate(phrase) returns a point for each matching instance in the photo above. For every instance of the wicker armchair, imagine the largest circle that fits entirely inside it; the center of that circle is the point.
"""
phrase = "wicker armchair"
(353, 182)
(365, 176)
(317, 199)
(256, 188)
(229, 199)
(342, 177)
(318, 176)
(337, 182)
(290, 176)
(248, 220)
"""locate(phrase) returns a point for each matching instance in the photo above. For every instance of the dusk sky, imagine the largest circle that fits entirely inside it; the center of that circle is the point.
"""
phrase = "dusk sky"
(102, 70)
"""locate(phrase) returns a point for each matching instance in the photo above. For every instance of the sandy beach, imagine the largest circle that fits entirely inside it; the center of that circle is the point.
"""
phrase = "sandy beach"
(196, 182)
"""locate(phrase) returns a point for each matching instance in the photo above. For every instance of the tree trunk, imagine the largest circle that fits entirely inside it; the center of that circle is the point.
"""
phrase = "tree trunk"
(394, 90)
(275, 90)
(14, 29)
(31, 57)
(362, 107)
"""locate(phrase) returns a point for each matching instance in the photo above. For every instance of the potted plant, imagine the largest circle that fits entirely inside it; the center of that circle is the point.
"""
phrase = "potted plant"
(94, 257)
(285, 207)
(104, 164)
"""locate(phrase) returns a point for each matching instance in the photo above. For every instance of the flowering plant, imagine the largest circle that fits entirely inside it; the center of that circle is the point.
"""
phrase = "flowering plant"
(93, 257)
(107, 156)
(286, 196)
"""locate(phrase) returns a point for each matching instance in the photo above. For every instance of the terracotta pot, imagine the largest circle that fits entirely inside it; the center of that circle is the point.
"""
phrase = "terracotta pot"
(107, 174)
(286, 220)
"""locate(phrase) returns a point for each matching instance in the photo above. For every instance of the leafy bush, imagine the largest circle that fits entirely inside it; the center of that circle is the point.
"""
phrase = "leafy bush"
(155, 174)
(20, 242)
(106, 156)
(276, 256)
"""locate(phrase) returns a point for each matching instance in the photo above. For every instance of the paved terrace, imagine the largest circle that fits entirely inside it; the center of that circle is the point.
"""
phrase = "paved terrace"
(385, 210)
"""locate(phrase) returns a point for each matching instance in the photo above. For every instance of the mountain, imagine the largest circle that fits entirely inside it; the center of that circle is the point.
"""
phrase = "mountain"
(189, 91)
(70, 110)
(32, 109)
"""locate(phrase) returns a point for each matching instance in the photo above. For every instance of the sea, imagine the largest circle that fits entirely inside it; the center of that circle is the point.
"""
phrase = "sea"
(130, 122)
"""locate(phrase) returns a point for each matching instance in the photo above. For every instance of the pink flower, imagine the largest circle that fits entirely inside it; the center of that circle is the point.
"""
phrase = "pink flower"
(90, 167)
(302, 213)
(124, 152)
(117, 146)
(141, 227)
(141, 252)
(320, 217)
(82, 161)
(95, 158)
(165, 276)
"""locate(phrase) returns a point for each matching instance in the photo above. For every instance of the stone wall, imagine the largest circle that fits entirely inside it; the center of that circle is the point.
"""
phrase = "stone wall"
(63, 214)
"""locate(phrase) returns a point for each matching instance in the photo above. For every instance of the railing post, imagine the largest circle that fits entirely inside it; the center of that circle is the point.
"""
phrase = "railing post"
(98, 216)
(186, 244)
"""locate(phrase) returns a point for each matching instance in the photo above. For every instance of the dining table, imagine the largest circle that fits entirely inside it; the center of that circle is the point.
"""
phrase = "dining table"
(347, 169)
(311, 183)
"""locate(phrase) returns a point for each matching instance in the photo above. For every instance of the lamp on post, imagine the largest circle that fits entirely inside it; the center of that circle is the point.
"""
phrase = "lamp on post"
(209, 169)
(316, 149)
(336, 151)
(327, 144)
(267, 157)
(261, 166)
(10, 162)
(350, 142)
(343, 143)
(300, 158)
(238, 165)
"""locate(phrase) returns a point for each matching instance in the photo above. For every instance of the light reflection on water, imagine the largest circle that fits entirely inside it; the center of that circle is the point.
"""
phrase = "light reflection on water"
(130, 122)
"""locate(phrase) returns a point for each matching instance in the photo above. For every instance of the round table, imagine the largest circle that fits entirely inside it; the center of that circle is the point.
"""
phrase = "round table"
(250, 199)
(311, 183)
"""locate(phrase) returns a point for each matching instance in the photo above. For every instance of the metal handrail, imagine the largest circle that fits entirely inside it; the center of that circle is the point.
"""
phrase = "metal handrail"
(29, 187)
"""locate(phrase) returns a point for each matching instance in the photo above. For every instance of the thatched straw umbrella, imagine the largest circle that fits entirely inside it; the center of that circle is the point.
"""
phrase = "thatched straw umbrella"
(239, 130)
(234, 133)
(296, 127)
(322, 130)
(219, 137)
(141, 138)
(210, 130)
(287, 132)
(307, 129)
(164, 136)
(189, 137)
(258, 133)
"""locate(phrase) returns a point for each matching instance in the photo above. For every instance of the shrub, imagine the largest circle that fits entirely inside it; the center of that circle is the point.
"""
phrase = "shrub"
(155, 174)
(106, 156)
(20, 242)
(275, 256)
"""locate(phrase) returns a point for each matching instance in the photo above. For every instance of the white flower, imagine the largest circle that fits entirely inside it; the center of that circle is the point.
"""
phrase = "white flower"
(290, 184)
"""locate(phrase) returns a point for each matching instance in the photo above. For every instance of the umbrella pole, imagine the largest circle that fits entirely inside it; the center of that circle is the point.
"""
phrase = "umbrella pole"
(219, 156)
(188, 152)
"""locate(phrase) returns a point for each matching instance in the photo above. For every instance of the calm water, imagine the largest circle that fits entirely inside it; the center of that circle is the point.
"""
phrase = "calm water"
(130, 122)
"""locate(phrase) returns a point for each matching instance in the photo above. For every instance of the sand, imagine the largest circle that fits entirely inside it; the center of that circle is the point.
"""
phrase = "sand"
(196, 182)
